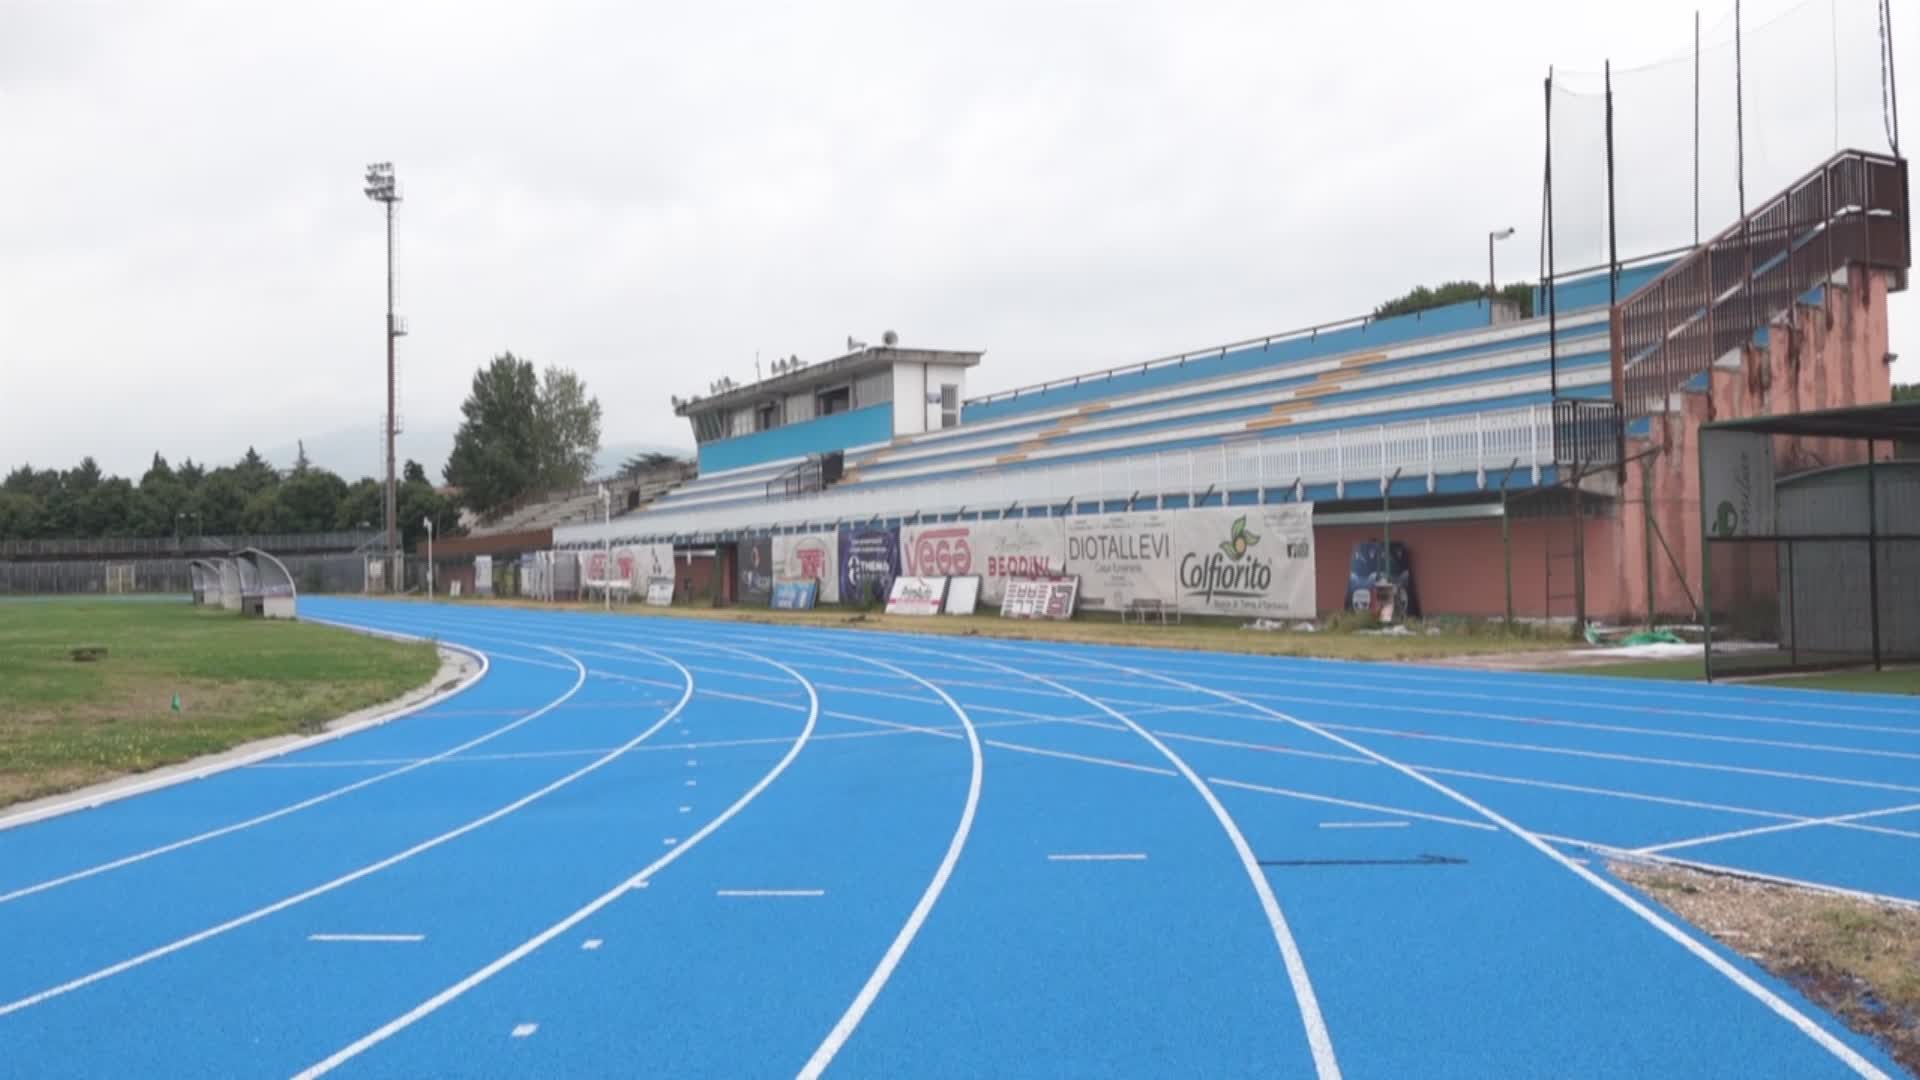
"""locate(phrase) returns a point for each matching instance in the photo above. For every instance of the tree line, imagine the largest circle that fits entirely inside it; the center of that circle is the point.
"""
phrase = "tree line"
(191, 500)
(522, 432)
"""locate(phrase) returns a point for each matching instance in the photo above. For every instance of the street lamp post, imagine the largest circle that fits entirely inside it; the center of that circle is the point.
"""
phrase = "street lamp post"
(606, 545)
(428, 522)
(1493, 290)
(380, 188)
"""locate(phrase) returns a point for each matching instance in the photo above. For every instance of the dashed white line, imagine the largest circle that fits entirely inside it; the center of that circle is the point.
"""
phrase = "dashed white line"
(378, 938)
(521, 1031)
(1118, 856)
(769, 892)
(1365, 824)
(591, 944)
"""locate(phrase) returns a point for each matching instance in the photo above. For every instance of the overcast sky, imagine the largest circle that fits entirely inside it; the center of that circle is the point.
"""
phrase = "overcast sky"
(650, 193)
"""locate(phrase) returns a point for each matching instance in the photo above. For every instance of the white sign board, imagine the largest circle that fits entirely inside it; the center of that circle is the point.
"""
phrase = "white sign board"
(809, 555)
(916, 595)
(994, 550)
(1043, 598)
(963, 594)
(1736, 484)
(483, 575)
(1121, 558)
(1253, 560)
(660, 591)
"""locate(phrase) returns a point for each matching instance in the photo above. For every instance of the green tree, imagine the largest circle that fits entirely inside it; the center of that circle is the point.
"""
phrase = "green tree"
(364, 502)
(521, 434)
(308, 501)
(253, 474)
(1454, 292)
(19, 516)
(1907, 392)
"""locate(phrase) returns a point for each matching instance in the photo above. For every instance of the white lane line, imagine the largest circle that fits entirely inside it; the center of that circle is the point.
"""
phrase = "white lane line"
(521, 1031)
(1761, 830)
(1319, 1042)
(376, 938)
(869, 992)
(591, 944)
(1562, 751)
(693, 783)
(345, 879)
(1118, 856)
(671, 840)
(1726, 870)
(87, 802)
(1365, 824)
(261, 819)
(1087, 758)
(1308, 796)
(769, 892)
(1741, 979)
(686, 809)
(637, 881)
(1265, 748)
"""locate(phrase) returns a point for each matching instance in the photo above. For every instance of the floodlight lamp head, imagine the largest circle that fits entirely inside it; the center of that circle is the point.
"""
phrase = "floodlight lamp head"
(1502, 234)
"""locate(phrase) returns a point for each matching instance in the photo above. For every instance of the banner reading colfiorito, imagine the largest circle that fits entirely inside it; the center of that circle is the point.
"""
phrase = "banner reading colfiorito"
(994, 550)
(1255, 560)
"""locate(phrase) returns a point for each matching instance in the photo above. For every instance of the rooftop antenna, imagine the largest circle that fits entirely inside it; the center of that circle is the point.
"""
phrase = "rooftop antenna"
(889, 339)
(855, 346)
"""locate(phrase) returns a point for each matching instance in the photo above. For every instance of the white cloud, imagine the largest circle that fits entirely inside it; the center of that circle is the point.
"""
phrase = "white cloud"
(650, 193)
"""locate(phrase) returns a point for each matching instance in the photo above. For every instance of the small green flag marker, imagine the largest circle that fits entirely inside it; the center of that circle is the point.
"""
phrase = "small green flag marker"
(176, 703)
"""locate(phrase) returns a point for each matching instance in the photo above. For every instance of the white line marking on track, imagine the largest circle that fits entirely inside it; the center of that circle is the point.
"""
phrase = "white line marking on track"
(693, 783)
(1365, 824)
(521, 1031)
(376, 938)
(1727, 870)
(1741, 979)
(591, 944)
(1118, 856)
(1760, 830)
(1319, 1042)
(686, 809)
(639, 880)
(1087, 758)
(345, 879)
(1308, 796)
(671, 840)
(770, 892)
(823, 1055)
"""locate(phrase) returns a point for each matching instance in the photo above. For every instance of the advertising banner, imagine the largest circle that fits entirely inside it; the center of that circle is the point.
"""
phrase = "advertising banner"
(1039, 598)
(1736, 484)
(916, 595)
(869, 561)
(1252, 560)
(963, 595)
(809, 555)
(755, 567)
(483, 575)
(1120, 558)
(639, 564)
(994, 550)
(660, 592)
(795, 595)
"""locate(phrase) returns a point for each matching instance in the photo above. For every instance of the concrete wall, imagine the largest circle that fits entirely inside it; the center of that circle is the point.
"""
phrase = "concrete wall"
(1458, 566)
(1827, 354)
(837, 432)
(909, 399)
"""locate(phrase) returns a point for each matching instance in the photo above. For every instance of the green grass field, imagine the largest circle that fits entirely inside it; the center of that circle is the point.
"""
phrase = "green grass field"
(65, 724)
(1905, 681)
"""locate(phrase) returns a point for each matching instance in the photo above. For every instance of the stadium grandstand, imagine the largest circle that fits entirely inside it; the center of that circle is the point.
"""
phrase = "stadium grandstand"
(1538, 464)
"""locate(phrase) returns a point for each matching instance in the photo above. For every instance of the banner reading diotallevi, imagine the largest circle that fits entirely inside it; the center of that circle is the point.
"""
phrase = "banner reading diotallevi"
(1253, 560)
(1121, 558)
(994, 550)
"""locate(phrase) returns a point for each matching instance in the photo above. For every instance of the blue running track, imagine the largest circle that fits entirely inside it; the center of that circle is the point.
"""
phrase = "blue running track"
(659, 847)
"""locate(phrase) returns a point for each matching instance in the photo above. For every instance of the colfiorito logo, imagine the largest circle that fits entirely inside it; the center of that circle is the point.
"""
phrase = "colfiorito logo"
(1231, 571)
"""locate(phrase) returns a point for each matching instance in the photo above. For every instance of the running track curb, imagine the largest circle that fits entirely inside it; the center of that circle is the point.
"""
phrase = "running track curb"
(187, 772)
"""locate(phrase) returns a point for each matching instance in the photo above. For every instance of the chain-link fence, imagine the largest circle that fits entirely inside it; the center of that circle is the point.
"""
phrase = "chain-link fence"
(84, 577)
(1804, 602)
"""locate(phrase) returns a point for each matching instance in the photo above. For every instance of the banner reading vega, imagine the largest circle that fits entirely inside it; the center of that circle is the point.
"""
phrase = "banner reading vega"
(1256, 560)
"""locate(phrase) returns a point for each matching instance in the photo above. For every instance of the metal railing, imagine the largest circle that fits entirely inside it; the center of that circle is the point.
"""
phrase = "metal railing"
(1587, 433)
(165, 546)
(1469, 443)
(1852, 210)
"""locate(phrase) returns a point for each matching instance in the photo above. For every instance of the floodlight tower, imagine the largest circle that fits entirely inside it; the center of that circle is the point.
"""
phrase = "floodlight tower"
(380, 188)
